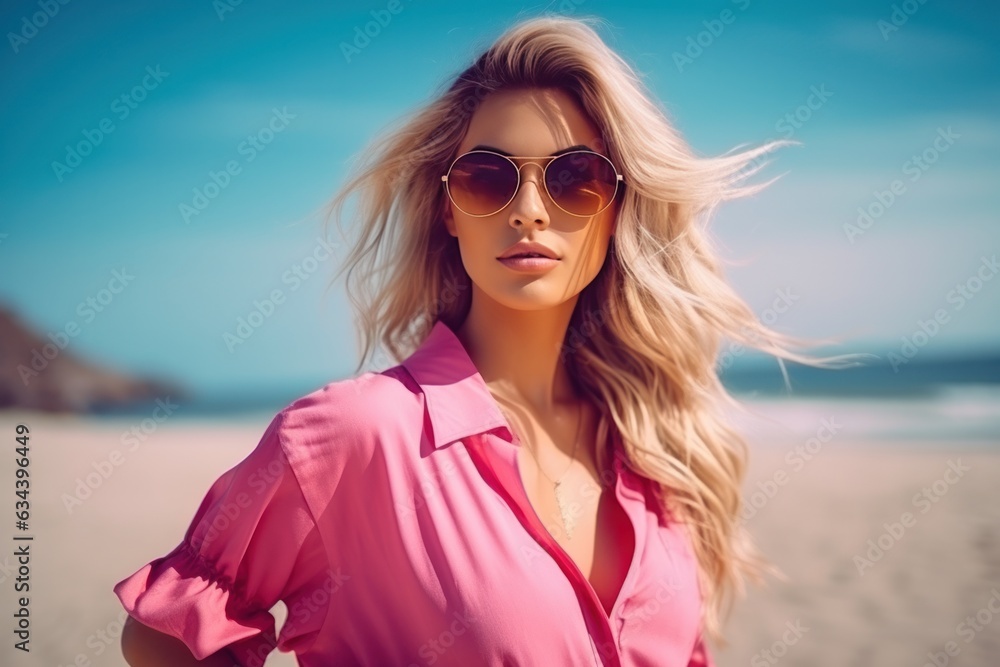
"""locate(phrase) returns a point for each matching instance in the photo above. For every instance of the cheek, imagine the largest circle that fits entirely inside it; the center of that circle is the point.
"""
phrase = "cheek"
(475, 242)
(592, 259)
(592, 249)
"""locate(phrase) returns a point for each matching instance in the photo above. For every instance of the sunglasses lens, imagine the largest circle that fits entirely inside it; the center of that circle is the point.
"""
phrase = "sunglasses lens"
(582, 183)
(482, 183)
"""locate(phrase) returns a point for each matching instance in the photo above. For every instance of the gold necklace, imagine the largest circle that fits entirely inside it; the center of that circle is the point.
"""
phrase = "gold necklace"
(565, 513)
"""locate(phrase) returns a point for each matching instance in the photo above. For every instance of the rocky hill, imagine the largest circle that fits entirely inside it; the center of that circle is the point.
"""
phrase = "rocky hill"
(41, 372)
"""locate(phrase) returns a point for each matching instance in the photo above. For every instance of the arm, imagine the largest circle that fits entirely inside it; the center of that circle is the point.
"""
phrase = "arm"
(143, 646)
(252, 542)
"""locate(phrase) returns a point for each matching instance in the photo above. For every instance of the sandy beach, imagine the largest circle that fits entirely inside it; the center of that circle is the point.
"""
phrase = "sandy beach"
(892, 549)
(889, 549)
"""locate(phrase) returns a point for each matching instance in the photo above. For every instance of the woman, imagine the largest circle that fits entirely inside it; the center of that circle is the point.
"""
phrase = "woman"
(546, 478)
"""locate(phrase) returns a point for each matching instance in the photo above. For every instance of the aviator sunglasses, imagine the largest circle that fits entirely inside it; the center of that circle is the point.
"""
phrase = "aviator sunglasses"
(580, 182)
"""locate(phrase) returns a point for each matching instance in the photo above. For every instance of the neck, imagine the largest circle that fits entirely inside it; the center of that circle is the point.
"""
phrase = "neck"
(518, 352)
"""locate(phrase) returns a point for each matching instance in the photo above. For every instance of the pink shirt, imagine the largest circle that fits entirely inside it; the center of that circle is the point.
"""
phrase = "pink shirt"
(388, 513)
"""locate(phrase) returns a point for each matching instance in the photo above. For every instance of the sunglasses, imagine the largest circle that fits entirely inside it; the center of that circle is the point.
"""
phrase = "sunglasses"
(481, 183)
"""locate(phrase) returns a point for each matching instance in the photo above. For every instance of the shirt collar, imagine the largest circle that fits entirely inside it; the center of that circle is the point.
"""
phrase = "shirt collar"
(457, 399)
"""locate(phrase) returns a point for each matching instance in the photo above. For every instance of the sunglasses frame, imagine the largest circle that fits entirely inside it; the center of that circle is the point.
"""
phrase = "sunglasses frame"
(619, 179)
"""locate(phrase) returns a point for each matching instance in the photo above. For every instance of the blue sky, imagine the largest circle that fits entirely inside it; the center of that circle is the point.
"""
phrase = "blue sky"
(864, 91)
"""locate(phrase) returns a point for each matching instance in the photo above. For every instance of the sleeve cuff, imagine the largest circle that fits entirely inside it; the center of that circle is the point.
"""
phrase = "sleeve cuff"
(182, 595)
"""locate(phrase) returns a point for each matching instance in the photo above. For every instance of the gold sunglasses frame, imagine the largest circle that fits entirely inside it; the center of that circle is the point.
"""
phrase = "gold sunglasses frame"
(510, 158)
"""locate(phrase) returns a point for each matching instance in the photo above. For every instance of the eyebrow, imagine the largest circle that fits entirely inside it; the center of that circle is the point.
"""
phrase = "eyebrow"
(578, 147)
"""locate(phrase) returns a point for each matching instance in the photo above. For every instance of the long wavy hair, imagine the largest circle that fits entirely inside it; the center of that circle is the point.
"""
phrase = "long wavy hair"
(644, 340)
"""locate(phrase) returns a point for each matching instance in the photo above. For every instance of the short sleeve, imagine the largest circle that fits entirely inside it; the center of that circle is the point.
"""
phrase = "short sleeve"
(252, 541)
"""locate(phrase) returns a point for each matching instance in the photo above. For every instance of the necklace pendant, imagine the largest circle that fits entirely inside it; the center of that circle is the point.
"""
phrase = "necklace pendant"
(565, 512)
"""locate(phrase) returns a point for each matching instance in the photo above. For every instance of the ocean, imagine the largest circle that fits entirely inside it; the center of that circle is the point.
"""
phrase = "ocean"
(926, 400)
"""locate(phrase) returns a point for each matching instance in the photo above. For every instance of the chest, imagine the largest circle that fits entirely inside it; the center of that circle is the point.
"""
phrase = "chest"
(586, 520)
(453, 565)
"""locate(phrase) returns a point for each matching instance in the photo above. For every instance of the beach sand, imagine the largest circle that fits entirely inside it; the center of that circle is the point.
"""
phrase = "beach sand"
(910, 595)
(860, 592)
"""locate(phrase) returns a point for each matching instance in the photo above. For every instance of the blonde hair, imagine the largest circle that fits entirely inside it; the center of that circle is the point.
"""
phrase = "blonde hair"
(645, 337)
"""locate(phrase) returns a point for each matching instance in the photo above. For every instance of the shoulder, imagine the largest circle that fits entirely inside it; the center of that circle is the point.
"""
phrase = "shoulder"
(348, 417)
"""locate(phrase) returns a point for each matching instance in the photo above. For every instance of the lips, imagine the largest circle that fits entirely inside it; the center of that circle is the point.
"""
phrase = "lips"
(528, 249)
(526, 264)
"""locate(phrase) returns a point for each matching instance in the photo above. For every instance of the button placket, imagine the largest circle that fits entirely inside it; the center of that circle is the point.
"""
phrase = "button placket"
(632, 496)
(502, 467)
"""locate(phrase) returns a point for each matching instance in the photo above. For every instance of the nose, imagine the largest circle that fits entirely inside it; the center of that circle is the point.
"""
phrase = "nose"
(528, 205)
